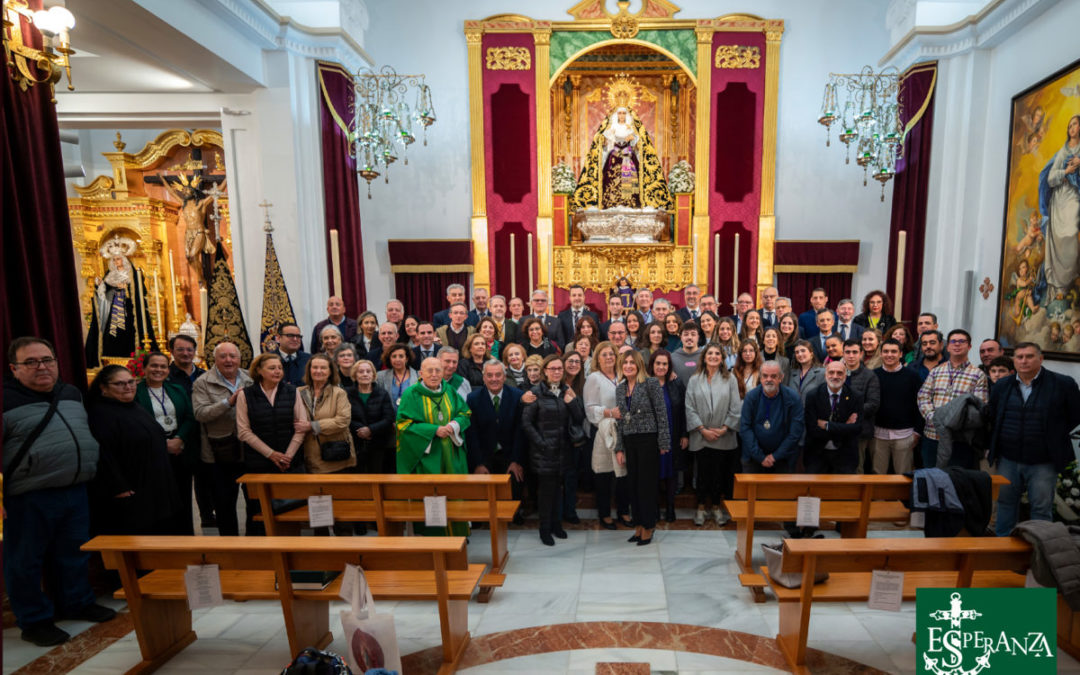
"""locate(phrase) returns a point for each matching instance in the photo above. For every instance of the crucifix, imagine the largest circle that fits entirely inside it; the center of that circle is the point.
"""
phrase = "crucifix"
(265, 205)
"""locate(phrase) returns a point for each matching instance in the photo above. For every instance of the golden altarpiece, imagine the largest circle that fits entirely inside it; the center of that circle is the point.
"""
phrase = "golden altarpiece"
(701, 95)
(141, 204)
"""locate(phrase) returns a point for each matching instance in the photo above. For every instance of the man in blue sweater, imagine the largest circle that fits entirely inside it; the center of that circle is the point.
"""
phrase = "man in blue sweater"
(771, 425)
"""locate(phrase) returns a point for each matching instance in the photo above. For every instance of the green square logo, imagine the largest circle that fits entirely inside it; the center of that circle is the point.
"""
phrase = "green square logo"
(964, 631)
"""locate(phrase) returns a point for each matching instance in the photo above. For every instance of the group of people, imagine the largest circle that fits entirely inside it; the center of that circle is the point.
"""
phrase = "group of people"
(649, 402)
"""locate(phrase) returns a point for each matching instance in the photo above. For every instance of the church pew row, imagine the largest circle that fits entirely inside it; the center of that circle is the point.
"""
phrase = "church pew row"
(257, 568)
(958, 562)
(852, 501)
(391, 501)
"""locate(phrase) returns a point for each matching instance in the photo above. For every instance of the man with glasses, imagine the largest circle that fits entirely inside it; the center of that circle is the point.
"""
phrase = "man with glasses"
(49, 456)
(948, 381)
(539, 304)
(293, 359)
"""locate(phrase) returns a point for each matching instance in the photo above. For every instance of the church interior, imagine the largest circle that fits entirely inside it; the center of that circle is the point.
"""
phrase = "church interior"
(217, 169)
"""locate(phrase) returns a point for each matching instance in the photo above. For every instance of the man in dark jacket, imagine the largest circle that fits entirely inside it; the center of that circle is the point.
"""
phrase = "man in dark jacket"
(293, 359)
(494, 439)
(772, 424)
(833, 424)
(49, 456)
(569, 317)
(1032, 412)
(864, 384)
(335, 316)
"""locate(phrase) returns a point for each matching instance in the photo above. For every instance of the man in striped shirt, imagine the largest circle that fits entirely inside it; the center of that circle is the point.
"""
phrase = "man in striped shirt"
(946, 382)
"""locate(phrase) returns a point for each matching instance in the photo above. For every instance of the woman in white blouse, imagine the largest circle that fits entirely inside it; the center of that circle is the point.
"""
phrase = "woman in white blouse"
(599, 400)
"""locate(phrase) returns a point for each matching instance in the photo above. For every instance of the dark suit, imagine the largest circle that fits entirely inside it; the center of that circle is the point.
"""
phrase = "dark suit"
(494, 439)
(474, 317)
(766, 323)
(551, 325)
(685, 315)
(294, 369)
(566, 321)
(738, 322)
(347, 327)
(511, 331)
(819, 348)
(418, 355)
(375, 355)
(844, 459)
(604, 328)
(855, 332)
(808, 324)
(441, 318)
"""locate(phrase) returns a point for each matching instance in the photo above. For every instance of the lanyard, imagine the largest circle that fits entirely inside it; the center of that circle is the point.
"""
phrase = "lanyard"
(160, 401)
(768, 406)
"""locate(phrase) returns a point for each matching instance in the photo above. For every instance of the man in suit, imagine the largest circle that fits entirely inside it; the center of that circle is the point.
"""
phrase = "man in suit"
(833, 424)
(508, 330)
(808, 320)
(824, 330)
(335, 315)
(845, 327)
(293, 359)
(456, 332)
(494, 440)
(708, 304)
(455, 293)
(569, 317)
(615, 315)
(783, 306)
(743, 304)
(388, 335)
(643, 303)
(692, 310)
(770, 315)
(866, 385)
(480, 306)
(395, 314)
(426, 347)
(539, 302)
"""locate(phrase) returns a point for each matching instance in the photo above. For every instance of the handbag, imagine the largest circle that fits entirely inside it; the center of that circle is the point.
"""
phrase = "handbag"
(330, 451)
(226, 449)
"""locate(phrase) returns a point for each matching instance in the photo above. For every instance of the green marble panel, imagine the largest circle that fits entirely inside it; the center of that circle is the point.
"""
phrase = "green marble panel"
(681, 43)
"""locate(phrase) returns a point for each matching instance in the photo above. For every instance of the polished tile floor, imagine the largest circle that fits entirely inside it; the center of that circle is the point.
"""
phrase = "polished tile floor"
(686, 577)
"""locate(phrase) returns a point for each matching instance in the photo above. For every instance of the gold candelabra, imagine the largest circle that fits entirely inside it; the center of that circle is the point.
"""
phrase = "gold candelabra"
(30, 65)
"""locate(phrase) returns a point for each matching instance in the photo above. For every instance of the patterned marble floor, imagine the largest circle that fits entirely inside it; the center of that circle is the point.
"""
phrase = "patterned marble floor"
(685, 577)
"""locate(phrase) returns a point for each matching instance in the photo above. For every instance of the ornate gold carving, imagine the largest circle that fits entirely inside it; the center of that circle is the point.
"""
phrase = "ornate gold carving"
(99, 188)
(624, 26)
(704, 36)
(509, 58)
(157, 149)
(738, 56)
(661, 266)
(473, 36)
(590, 10)
(774, 35)
(542, 37)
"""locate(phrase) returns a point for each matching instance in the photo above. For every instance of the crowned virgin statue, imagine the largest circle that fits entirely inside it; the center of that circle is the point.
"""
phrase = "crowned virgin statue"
(120, 320)
(622, 168)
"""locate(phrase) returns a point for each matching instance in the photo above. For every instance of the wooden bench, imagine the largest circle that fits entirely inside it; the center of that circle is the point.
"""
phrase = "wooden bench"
(852, 501)
(257, 568)
(391, 501)
(961, 562)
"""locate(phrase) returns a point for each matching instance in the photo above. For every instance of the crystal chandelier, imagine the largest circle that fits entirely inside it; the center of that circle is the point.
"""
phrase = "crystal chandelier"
(867, 106)
(382, 122)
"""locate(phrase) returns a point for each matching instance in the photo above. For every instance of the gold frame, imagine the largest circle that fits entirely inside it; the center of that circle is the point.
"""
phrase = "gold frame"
(773, 29)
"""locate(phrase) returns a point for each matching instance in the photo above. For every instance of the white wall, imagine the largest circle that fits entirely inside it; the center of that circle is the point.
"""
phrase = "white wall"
(968, 170)
(818, 197)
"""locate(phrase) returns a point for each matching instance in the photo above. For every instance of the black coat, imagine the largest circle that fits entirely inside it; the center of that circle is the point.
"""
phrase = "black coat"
(418, 355)
(133, 457)
(566, 322)
(488, 429)
(677, 393)
(843, 435)
(552, 329)
(377, 414)
(886, 322)
(546, 423)
(546, 349)
(472, 371)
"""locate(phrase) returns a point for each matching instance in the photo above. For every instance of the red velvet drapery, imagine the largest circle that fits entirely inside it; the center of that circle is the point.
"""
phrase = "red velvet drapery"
(802, 266)
(910, 186)
(423, 268)
(341, 186)
(40, 285)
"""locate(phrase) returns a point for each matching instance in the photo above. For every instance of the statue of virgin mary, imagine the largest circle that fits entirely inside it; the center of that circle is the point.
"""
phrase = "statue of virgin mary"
(622, 168)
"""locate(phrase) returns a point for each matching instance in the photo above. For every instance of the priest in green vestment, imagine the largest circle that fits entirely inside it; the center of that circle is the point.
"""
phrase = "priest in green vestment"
(431, 423)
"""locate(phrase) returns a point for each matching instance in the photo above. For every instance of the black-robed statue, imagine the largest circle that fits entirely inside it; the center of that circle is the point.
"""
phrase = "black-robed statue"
(120, 319)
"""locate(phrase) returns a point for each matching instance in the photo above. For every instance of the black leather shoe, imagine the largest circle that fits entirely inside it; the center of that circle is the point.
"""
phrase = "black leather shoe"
(560, 533)
(644, 542)
(634, 538)
(627, 523)
(518, 519)
(670, 515)
(608, 524)
(44, 634)
(572, 519)
(92, 612)
(546, 538)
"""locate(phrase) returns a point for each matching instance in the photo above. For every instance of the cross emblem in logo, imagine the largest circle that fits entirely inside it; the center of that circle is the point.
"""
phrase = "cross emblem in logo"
(955, 614)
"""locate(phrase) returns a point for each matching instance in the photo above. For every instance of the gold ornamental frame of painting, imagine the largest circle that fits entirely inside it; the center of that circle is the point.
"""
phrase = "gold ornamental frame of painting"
(592, 15)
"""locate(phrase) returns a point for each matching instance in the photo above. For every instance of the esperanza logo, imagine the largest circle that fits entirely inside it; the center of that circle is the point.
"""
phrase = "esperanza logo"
(964, 631)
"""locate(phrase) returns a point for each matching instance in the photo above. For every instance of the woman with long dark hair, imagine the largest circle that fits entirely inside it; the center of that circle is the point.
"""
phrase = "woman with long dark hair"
(674, 389)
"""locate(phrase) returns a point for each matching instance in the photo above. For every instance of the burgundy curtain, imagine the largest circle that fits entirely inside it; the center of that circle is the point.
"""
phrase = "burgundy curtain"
(802, 266)
(910, 186)
(341, 186)
(424, 293)
(40, 288)
(797, 286)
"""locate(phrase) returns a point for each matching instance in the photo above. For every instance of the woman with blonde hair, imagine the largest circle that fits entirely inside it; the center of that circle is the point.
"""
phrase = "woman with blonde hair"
(871, 344)
(474, 354)
(513, 355)
(602, 411)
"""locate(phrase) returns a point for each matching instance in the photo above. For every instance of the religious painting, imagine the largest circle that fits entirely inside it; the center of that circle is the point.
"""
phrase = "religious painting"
(1039, 297)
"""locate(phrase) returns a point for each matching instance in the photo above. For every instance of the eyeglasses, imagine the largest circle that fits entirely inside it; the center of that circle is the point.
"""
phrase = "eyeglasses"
(126, 384)
(553, 369)
(34, 364)
(291, 335)
(958, 341)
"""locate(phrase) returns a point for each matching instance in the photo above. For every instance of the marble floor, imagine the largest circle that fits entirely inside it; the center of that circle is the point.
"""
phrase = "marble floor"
(686, 577)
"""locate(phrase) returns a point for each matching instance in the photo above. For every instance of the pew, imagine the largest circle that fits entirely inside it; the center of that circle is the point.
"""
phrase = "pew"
(960, 562)
(391, 500)
(852, 501)
(257, 568)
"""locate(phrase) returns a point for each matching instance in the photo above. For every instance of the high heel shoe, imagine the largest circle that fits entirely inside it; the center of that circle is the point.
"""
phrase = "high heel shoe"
(642, 541)
(627, 522)
(637, 535)
(608, 524)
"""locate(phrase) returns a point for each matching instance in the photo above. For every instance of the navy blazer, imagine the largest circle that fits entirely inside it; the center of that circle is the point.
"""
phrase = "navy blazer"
(854, 334)
(684, 314)
(294, 371)
(488, 429)
(775, 323)
(808, 324)
(566, 321)
(551, 324)
(843, 435)
(474, 317)
(441, 318)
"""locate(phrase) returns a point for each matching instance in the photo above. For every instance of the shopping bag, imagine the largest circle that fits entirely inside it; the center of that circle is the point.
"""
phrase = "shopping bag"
(371, 637)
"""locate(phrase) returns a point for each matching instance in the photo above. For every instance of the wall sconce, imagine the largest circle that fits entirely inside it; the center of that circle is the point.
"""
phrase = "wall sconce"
(28, 65)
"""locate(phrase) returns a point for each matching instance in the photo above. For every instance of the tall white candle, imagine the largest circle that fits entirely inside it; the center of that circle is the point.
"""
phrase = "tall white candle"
(335, 261)
(172, 289)
(735, 277)
(898, 295)
(529, 252)
(204, 309)
(716, 263)
(513, 268)
(551, 273)
(162, 334)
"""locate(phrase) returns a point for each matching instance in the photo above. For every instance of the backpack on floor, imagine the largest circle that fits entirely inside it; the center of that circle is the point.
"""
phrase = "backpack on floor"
(311, 661)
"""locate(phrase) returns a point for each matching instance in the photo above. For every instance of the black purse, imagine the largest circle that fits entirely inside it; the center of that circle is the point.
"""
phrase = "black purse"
(331, 451)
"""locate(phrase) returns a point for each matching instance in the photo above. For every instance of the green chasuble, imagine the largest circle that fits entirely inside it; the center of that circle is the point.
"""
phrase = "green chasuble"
(419, 450)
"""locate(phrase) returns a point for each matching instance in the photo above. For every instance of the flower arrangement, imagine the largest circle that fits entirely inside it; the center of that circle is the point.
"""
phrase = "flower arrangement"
(135, 362)
(1067, 495)
(562, 178)
(681, 178)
